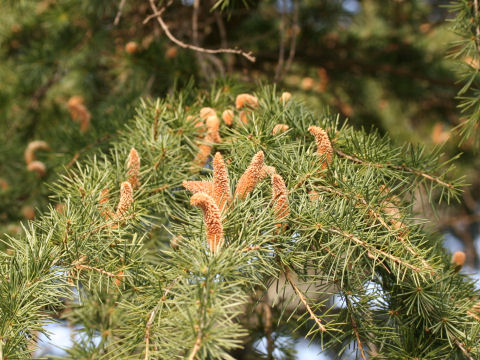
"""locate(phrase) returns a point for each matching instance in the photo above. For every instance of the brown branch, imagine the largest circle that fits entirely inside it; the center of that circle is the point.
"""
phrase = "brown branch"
(197, 346)
(303, 299)
(293, 43)
(371, 248)
(396, 167)
(281, 51)
(355, 330)
(477, 28)
(461, 347)
(165, 28)
(119, 13)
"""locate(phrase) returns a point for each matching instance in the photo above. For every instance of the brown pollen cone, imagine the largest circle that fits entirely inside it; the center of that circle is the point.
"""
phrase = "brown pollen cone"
(221, 188)
(458, 260)
(32, 147)
(280, 197)
(38, 167)
(126, 199)
(204, 150)
(211, 216)
(251, 176)
(199, 186)
(267, 171)
(103, 200)
(280, 128)
(206, 112)
(324, 146)
(133, 167)
(246, 100)
(227, 117)
(213, 125)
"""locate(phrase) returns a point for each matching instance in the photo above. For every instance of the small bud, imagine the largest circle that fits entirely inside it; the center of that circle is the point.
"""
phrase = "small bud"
(280, 128)
(458, 260)
(227, 117)
(4, 184)
(28, 212)
(285, 97)
(131, 47)
(79, 112)
(280, 197)
(307, 83)
(246, 100)
(171, 52)
(204, 150)
(213, 125)
(243, 117)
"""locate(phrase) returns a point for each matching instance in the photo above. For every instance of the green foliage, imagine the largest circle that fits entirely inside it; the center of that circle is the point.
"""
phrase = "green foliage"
(149, 286)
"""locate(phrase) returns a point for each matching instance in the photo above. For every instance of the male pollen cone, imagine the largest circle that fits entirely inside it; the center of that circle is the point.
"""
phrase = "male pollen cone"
(211, 217)
(199, 186)
(246, 100)
(204, 150)
(285, 97)
(32, 147)
(280, 197)
(221, 188)
(458, 259)
(38, 167)
(126, 198)
(324, 147)
(267, 171)
(206, 112)
(280, 128)
(227, 117)
(213, 125)
(251, 176)
(133, 167)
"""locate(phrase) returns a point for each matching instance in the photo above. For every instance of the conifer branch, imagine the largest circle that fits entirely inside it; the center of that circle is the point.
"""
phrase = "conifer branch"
(370, 248)
(396, 167)
(303, 299)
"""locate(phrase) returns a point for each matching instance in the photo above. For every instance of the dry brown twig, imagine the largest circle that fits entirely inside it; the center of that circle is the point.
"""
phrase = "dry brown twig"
(180, 43)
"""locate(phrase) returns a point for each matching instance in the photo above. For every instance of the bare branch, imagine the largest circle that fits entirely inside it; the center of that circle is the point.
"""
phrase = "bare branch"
(165, 28)
(119, 13)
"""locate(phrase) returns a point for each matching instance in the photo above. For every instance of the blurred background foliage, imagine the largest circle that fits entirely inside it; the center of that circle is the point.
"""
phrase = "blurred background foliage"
(72, 72)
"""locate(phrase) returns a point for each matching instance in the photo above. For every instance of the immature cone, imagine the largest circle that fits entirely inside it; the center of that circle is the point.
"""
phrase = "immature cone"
(280, 128)
(206, 112)
(246, 100)
(213, 125)
(131, 47)
(126, 199)
(204, 150)
(32, 147)
(243, 117)
(227, 117)
(211, 216)
(133, 166)
(103, 200)
(251, 176)
(38, 167)
(458, 260)
(171, 52)
(199, 186)
(324, 147)
(285, 97)
(28, 212)
(79, 112)
(279, 197)
(221, 188)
